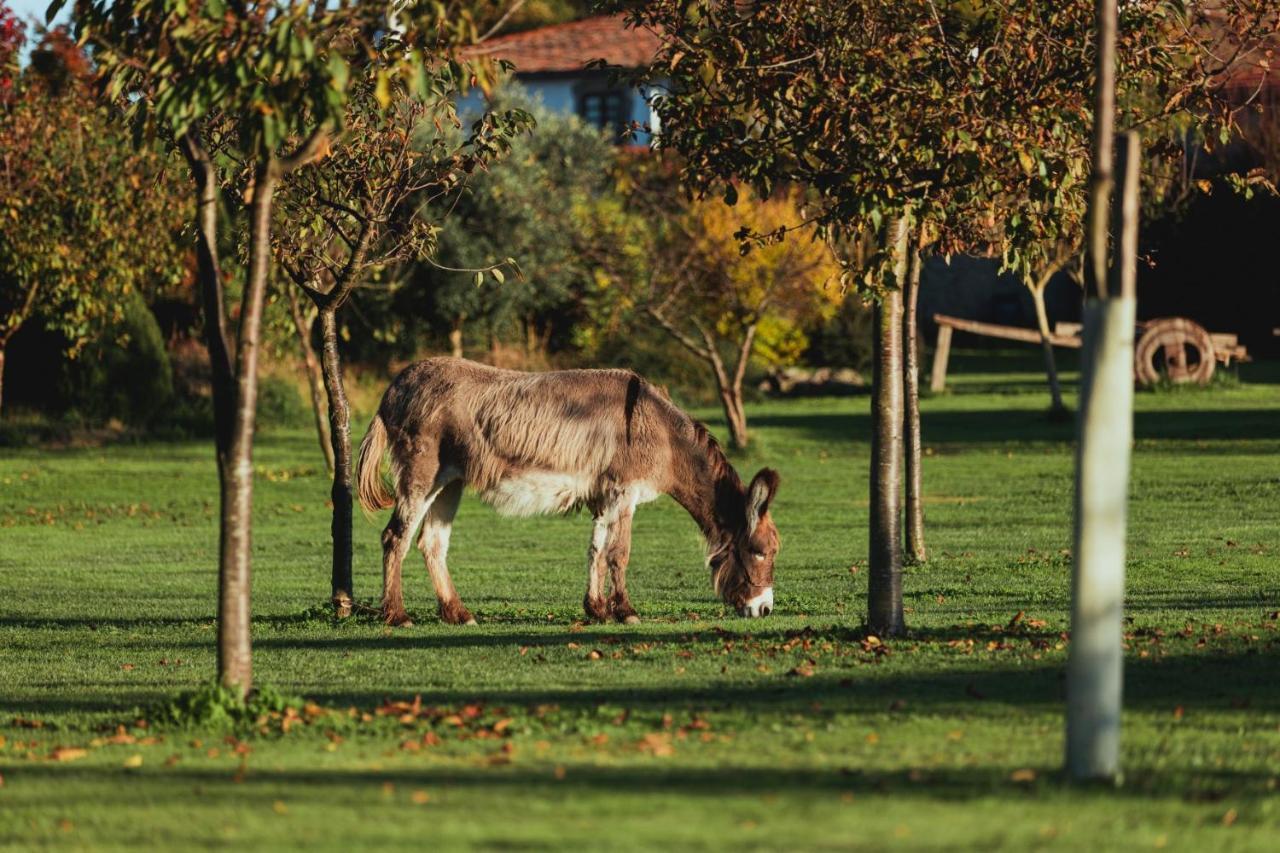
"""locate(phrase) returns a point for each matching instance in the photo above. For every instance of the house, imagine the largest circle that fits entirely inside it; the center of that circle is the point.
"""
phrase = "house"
(550, 62)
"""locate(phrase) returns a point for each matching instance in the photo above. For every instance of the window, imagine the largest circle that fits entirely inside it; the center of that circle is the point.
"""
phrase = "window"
(605, 110)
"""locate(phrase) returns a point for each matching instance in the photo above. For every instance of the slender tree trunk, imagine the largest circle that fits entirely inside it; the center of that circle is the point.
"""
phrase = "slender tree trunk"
(3, 346)
(235, 464)
(209, 275)
(455, 338)
(735, 417)
(315, 376)
(916, 552)
(1105, 431)
(340, 430)
(234, 649)
(884, 594)
(1056, 406)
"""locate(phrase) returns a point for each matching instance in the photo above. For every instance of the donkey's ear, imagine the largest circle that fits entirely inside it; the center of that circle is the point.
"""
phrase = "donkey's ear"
(759, 495)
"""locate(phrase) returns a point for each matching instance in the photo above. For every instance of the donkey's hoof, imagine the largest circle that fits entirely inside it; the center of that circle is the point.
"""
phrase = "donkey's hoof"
(398, 620)
(454, 613)
(632, 619)
(597, 609)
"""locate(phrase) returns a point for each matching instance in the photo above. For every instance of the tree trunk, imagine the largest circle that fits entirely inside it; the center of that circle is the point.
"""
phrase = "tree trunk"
(455, 338)
(1056, 406)
(209, 275)
(235, 666)
(884, 594)
(340, 430)
(315, 376)
(2, 349)
(735, 416)
(1095, 665)
(916, 552)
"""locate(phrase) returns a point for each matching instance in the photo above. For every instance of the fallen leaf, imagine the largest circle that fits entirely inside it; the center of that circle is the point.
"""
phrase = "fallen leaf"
(68, 753)
(594, 654)
(657, 744)
(1026, 774)
(1229, 818)
(279, 807)
(804, 670)
(420, 797)
(133, 761)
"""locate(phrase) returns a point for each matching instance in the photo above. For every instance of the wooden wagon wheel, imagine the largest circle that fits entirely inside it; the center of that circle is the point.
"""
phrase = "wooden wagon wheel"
(1174, 347)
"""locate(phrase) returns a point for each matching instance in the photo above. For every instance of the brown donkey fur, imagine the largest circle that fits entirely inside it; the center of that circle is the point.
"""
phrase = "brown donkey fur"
(532, 443)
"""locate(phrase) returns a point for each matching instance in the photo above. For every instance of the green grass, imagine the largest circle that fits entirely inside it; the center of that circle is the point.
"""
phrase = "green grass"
(695, 729)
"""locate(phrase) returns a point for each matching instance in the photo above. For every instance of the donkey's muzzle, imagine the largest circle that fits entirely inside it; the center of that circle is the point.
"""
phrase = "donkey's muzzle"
(761, 605)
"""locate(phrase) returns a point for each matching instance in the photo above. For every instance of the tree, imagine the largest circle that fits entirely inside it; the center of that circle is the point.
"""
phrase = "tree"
(539, 209)
(967, 119)
(726, 307)
(12, 38)
(250, 89)
(367, 207)
(88, 219)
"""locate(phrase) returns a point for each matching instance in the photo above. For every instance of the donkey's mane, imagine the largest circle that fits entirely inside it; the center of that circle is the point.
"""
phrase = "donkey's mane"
(729, 509)
(717, 462)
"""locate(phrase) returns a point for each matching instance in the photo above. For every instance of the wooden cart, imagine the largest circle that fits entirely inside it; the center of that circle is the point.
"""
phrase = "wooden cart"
(1167, 347)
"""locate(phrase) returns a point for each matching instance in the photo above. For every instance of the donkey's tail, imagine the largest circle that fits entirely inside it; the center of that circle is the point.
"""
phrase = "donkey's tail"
(371, 486)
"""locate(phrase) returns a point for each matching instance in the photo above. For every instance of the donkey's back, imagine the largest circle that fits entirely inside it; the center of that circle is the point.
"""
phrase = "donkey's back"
(529, 443)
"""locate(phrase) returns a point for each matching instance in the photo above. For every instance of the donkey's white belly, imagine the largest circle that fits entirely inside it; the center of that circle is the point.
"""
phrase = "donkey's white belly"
(538, 493)
(549, 492)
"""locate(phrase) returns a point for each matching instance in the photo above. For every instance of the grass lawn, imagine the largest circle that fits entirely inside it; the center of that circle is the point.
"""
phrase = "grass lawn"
(695, 729)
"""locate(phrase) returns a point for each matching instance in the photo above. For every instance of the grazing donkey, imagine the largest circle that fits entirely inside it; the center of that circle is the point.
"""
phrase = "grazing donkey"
(534, 443)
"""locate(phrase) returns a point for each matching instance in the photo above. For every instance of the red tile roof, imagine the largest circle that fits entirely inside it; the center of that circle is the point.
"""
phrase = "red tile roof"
(567, 47)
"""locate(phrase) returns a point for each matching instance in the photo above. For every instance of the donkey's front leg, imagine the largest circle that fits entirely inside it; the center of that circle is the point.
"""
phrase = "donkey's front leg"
(618, 554)
(594, 603)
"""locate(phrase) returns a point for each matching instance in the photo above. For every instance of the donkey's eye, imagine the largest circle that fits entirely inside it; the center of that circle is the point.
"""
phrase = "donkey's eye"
(757, 555)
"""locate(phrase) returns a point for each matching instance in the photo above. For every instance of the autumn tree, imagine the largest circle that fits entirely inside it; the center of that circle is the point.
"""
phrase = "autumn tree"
(970, 121)
(89, 221)
(371, 205)
(727, 308)
(256, 89)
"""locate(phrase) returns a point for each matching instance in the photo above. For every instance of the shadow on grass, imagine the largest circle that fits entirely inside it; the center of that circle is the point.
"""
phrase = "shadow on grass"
(981, 685)
(950, 784)
(1000, 426)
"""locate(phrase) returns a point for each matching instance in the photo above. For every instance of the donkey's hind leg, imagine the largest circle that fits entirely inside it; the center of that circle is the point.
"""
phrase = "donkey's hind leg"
(395, 542)
(416, 491)
(433, 542)
(618, 554)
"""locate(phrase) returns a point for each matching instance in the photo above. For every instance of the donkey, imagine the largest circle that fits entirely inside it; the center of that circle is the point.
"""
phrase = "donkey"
(535, 443)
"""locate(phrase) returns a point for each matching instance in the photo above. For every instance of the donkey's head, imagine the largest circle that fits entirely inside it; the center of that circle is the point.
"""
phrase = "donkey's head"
(742, 562)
